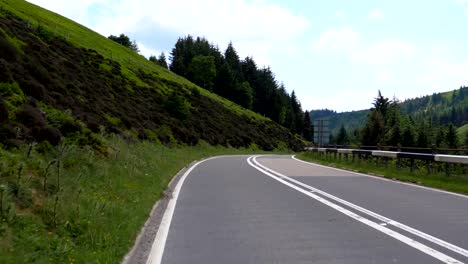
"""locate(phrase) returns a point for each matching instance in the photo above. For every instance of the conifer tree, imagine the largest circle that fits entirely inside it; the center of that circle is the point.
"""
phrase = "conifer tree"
(451, 137)
(162, 60)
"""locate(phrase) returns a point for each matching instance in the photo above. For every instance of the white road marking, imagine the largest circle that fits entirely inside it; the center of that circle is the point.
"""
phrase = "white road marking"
(384, 219)
(381, 178)
(157, 249)
(413, 243)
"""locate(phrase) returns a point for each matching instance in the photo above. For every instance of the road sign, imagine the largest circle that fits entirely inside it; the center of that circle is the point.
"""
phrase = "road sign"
(321, 132)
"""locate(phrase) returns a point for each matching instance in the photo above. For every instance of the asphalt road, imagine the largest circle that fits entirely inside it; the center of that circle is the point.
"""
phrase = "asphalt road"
(274, 209)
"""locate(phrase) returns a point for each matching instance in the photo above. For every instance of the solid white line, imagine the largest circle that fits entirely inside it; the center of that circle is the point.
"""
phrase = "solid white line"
(384, 219)
(413, 243)
(157, 249)
(381, 178)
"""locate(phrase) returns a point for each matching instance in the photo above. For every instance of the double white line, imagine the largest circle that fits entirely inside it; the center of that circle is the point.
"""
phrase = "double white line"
(312, 192)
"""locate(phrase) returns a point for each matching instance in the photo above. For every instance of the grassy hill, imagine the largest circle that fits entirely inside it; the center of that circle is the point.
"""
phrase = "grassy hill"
(439, 108)
(70, 68)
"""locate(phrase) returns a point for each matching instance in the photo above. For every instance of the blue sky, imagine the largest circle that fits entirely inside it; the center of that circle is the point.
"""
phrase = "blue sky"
(335, 54)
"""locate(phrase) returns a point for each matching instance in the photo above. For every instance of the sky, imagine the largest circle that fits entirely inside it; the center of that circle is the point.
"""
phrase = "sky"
(334, 54)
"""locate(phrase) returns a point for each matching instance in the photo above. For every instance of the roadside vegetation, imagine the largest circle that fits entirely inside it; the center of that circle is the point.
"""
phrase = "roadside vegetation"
(73, 204)
(455, 181)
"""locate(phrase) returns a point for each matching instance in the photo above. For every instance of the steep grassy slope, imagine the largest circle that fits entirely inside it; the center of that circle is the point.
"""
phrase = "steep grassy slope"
(107, 86)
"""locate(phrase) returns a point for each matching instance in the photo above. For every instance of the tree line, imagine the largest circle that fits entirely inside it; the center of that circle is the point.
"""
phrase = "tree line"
(388, 125)
(239, 80)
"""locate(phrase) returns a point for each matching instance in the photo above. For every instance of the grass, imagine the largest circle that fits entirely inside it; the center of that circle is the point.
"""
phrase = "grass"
(84, 37)
(456, 182)
(72, 205)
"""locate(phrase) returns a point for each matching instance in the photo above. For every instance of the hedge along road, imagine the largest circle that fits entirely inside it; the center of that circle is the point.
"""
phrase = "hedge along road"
(277, 209)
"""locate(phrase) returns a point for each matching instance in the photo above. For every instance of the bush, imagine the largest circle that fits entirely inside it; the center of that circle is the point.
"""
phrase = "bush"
(3, 112)
(48, 133)
(7, 50)
(178, 106)
(12, 95)
(31, 117)
(70, 127)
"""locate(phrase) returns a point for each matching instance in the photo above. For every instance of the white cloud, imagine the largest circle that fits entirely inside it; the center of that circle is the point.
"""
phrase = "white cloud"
(376, 14)
(384, 75)
(340, 13)
(441, 74)
(347, 42)
(146, 51)
(384, 52)
(336, 39)
(253, 26)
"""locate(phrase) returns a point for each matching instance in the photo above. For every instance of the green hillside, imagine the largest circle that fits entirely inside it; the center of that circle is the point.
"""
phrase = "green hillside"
(96, 81)
(91, 133)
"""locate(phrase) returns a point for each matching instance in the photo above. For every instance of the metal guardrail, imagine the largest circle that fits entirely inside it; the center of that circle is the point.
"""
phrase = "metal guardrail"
(428, 159)
(458, 159)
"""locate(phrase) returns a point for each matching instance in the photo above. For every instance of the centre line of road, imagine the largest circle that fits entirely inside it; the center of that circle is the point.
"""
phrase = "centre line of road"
(411, 242)
(384, 219)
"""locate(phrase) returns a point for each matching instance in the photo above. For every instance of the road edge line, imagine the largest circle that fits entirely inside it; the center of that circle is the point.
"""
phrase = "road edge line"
(382, 178)
(159, 243)
(370, 213)
(400, 237)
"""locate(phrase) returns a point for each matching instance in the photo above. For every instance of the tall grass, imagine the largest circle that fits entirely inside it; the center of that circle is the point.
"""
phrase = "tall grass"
(72, 205)
(436, 177)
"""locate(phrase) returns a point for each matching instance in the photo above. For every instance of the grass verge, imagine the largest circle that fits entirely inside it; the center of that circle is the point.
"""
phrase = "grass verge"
(456, 182)
(71, 205)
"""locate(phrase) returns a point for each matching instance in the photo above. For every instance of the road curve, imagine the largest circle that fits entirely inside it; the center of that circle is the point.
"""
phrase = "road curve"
(276, 209)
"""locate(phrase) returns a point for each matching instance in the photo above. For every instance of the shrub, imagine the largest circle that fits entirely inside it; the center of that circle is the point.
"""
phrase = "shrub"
(70, 127)
(165, 135)
(3, 112)
(31, 116)
(178, 106)
(12, 95)
(48, 133)
(7, 50)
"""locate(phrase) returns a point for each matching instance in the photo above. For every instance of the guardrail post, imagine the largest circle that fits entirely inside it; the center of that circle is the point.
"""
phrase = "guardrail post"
(399, 163)
(447, 169)
(412, 165)
(429, 167)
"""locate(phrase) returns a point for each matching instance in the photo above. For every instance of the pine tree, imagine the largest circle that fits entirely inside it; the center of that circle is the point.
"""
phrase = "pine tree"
(451, 137)
(373, 131)
(342, 137)
(408, 137)
(440, 137)
(162, 60)
(203, 71)
(423, 142)
(307, 133)
(381, 104)
(153, 58)
(232, 59)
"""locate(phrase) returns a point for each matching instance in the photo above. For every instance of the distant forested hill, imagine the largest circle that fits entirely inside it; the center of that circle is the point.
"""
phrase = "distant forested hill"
(438, 108)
